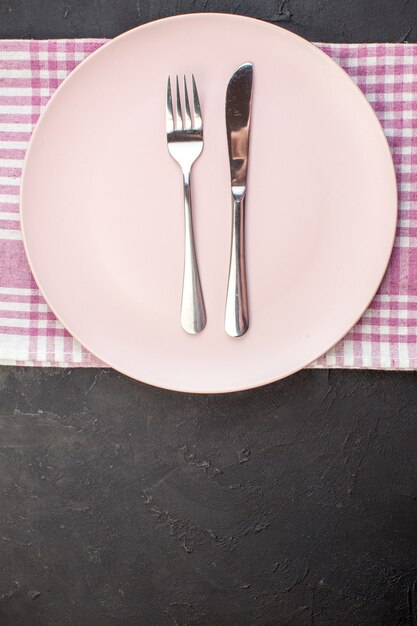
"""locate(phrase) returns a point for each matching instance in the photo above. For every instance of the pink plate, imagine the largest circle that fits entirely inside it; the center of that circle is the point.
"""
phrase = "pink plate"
(103, 216)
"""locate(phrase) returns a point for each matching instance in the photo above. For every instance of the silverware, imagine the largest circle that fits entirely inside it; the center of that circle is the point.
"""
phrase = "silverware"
(238, 111)
(185, 144)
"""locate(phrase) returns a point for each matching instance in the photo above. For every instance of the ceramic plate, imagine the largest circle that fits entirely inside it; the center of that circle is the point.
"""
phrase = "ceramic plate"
(102, 207)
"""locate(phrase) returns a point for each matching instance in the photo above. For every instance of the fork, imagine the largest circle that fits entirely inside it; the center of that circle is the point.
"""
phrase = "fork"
(185, 144)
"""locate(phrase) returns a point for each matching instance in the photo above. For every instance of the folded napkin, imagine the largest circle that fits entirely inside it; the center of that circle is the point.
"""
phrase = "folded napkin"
(30, 71)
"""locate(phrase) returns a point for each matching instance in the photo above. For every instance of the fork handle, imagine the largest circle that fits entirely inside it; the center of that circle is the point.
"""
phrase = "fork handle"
(193, 312)
(237, 315)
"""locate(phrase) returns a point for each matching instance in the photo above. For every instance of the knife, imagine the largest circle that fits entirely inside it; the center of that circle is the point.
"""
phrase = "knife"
(238, 113)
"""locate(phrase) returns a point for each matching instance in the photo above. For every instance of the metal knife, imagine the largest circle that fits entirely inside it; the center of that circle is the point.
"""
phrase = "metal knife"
(238, 113)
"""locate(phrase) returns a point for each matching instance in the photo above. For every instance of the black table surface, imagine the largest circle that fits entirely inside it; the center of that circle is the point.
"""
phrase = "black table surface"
(121, 503)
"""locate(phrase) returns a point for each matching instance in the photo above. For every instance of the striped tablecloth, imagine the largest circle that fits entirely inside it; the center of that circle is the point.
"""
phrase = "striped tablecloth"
(30, 71)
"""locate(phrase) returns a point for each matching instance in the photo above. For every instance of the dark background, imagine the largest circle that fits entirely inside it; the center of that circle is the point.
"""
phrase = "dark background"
(293, 504)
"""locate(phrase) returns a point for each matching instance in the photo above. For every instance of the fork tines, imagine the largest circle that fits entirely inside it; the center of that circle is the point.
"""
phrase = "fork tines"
(187, 117)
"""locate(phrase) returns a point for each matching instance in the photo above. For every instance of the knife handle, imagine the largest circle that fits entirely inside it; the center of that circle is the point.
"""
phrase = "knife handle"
(237, 315)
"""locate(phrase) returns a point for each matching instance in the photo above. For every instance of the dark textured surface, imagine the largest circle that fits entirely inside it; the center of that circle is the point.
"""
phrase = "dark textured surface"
(122, 504)
(126, 504)
(318, 20)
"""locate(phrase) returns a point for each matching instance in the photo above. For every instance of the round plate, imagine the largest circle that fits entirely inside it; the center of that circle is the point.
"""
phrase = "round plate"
(102, 205)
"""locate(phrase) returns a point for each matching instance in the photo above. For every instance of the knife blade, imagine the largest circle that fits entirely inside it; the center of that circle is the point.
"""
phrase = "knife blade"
(238, 110)
(238, 117)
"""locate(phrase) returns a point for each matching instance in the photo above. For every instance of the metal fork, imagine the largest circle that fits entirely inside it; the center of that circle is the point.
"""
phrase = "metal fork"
(185, 144)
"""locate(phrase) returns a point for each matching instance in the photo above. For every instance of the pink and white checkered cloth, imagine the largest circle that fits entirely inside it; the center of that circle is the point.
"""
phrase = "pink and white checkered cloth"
(30, 71)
